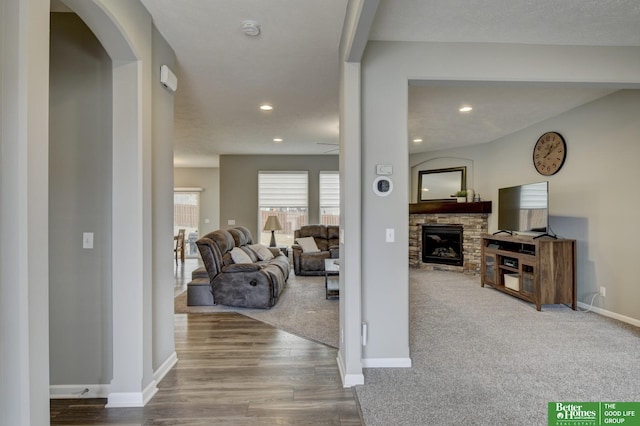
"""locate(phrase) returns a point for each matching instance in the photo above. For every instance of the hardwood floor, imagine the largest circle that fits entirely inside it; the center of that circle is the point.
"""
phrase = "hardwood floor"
(233, 370)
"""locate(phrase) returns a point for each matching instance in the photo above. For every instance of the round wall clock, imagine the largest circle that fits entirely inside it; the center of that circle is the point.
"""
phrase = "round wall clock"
(549, 153)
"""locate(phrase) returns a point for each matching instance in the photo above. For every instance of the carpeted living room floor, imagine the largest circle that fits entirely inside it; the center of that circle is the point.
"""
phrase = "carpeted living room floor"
(482, 357)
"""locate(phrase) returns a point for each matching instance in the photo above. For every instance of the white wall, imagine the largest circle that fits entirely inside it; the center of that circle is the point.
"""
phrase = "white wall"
(585, 196)
(207, 178)
(387, 69)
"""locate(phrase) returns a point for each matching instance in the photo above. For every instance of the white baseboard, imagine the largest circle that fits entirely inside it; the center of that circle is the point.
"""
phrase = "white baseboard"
(610, 314)
(116, 399)
(162, 371)
(76, 391)
(149, 391)
(132, 399)
(349, 380)
(125, 399)
(386, 362)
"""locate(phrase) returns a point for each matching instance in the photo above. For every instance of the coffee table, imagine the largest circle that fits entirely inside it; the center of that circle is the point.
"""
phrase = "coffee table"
(332, 278)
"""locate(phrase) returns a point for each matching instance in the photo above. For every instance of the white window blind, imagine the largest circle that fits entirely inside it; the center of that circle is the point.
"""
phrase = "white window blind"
(534, 196)
(329, 189)
(283, 189)
(330, 198)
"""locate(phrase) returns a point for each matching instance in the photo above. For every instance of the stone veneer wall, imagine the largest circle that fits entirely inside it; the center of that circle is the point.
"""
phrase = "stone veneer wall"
(473, 226)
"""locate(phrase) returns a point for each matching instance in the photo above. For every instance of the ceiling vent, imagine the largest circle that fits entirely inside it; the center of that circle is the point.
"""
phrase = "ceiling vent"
(250, 28)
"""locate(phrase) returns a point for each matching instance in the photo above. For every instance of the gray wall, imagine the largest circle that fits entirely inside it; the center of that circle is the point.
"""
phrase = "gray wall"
(24, 205)
(80, 189)
(80, 201)
(239, 184)
(24, 211)
(207, 178)
(162, 183)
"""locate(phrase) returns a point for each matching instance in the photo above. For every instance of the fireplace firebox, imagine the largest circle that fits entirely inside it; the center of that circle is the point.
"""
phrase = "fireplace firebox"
(442, 244)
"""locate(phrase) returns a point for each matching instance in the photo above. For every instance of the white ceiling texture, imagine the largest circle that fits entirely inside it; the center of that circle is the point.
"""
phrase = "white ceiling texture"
(224, 75)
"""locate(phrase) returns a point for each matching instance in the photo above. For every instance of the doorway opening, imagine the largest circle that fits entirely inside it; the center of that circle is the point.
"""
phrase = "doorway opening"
(186, 215)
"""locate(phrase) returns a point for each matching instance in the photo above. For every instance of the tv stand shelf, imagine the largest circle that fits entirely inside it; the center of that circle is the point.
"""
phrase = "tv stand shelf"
(538, 270)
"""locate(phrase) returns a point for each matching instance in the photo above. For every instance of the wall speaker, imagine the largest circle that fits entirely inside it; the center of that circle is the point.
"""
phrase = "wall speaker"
(168, 78)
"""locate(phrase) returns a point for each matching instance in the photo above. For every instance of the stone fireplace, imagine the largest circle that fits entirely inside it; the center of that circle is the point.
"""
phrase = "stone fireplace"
(473, 225)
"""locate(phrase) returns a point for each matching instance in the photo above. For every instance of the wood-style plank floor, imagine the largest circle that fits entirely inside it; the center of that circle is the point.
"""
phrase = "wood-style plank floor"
(233, 370)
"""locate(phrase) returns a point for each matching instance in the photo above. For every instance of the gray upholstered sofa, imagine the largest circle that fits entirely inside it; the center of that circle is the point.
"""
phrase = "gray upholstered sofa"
(252, 284)
(326, 238)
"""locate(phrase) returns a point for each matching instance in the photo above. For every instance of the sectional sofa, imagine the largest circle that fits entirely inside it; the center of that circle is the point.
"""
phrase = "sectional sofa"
(239, 272)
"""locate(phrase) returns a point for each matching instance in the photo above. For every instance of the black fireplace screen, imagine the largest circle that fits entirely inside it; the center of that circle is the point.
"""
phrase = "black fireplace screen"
(442, 244)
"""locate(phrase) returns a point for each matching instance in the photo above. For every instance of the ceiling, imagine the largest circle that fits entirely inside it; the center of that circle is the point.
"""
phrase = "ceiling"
(224, 75)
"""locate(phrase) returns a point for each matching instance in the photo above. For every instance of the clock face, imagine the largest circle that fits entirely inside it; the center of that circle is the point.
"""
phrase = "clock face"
(549, 153)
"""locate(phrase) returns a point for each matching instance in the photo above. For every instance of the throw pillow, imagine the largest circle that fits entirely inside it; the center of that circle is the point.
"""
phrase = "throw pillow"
(308, 245)
(240, 256)
(261, 251)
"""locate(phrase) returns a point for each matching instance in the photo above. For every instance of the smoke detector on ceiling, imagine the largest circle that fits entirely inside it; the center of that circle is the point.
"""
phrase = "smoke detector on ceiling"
(250, 28)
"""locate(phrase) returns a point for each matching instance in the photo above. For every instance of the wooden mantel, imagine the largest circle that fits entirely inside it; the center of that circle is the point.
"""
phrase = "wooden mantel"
(450, 207)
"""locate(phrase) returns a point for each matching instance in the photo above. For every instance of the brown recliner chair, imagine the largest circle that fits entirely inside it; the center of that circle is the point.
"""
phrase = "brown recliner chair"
(327, 240)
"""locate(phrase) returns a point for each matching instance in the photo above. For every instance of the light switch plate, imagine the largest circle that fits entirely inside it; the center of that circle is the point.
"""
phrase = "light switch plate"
(87, 240)
(231, 222)
(390, 235)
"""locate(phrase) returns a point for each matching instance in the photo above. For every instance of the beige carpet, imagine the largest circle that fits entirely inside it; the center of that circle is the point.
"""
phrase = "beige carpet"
(301, 310)
(481, 357)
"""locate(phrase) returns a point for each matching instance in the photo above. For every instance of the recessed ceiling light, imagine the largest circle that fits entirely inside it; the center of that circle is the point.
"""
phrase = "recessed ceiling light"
(277, 140)
(465, 109)
(266, 107)
(417, 140)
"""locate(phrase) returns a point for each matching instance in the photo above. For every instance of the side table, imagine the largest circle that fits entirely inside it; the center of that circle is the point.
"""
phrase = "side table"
(332, 278)
(284, 250)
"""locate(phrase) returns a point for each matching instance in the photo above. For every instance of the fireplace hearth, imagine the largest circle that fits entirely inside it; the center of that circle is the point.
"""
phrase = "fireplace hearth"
(442, 244)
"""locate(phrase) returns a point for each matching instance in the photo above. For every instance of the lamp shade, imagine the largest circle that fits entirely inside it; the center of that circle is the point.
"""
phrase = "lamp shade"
(273, 224)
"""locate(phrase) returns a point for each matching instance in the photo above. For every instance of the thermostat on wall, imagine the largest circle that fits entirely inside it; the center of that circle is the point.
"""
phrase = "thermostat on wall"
(382, 186)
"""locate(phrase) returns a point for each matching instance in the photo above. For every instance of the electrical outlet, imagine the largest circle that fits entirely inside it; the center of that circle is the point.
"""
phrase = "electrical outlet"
(603, 291)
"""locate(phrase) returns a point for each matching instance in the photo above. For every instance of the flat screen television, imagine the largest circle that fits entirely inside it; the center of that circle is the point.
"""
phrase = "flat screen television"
(524, 208)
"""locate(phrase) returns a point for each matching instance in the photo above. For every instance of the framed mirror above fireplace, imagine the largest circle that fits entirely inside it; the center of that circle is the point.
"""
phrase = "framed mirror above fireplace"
(441, 184)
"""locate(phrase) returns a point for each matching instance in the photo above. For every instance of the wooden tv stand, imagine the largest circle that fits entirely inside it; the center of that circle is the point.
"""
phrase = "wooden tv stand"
(540, 271)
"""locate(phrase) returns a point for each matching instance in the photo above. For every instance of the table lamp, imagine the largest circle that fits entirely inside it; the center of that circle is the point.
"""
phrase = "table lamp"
(273, 224)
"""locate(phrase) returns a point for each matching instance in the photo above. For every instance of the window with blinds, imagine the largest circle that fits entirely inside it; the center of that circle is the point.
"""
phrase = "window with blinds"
(286, 196)
(330, 198)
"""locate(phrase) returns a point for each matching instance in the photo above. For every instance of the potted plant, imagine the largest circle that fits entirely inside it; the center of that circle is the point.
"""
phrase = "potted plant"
(461, 196)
